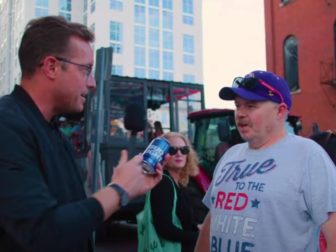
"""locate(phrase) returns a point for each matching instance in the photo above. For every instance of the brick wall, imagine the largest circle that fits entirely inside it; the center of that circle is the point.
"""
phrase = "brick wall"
(312, 22)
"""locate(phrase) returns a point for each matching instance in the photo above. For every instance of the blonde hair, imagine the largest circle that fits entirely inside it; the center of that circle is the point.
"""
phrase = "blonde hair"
(191, 167)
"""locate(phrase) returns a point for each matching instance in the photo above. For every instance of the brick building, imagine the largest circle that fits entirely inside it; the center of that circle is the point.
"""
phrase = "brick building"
(301, 46)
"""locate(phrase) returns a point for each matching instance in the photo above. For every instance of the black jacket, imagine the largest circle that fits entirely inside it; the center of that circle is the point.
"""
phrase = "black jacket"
(43, 206)
(162, 200)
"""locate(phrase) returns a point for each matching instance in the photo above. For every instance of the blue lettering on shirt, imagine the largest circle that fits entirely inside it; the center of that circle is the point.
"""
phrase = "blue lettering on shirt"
(239, 169)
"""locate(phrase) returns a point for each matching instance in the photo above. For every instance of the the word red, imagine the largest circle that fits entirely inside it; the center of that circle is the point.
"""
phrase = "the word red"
(231, 201)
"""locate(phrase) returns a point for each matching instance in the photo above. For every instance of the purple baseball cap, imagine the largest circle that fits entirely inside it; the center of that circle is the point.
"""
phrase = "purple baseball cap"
(259, 86)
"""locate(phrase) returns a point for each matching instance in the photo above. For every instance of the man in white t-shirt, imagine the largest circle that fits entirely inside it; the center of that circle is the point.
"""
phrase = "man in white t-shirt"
(274, 192)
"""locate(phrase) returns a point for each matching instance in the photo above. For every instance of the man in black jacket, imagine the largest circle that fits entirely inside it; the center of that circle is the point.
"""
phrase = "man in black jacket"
(43, 206)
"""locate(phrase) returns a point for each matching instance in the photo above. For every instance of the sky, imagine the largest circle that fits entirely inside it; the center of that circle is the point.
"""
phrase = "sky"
(233, 44)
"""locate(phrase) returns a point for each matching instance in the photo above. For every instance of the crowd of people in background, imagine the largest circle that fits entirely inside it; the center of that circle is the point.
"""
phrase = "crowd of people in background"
(74, 131)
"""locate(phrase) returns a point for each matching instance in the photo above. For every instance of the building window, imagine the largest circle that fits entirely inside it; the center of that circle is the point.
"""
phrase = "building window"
(153, 74)
(154, 58)
(154, 3)
(116, 36)
(167, 40)
(85, 19)
(154, 38)
(189, 78)
(117, 47)
(65, 5)
(167, 4)
(40, 12)
(139, 14)
(188, 59)
(93, 28)
(115, 31)
(92, 6)
(139, 35)
(117, 70)
(65, 9)
(188, 49)
(154, 19)
(291, 63)
(283, 2)
(116, 5)
(188, 12)
(188, 6)
(41, 8)
(168, 76)
(85, 5)
(188, 20)
(188, 43)
(140, 56)
(140, 72)
(167, 20)
(42, 3)
(168, 60)
(67, 16)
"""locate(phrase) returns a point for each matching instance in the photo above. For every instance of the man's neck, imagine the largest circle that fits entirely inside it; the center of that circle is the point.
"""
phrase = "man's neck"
(40, 94)
(272, 139)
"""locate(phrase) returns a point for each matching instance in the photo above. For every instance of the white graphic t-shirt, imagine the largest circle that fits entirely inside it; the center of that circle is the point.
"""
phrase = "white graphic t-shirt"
(271, 200)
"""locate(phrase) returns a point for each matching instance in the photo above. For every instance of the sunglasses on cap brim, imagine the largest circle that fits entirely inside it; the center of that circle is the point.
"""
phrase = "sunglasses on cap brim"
(250, 84)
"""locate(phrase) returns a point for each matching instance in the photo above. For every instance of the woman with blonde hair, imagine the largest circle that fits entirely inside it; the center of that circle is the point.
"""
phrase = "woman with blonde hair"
(182, 164)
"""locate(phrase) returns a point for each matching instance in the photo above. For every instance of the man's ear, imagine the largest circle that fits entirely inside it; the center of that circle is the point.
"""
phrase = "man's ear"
(282, 110)
(50, 67)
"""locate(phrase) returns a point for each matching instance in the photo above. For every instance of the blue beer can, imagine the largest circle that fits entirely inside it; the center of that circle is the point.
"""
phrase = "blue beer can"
(154, 154)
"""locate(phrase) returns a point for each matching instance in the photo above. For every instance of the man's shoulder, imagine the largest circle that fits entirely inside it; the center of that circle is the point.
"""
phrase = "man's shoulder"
(8, 107)
(300, 140)
(304, 144)
(11, 113)
(6, 99)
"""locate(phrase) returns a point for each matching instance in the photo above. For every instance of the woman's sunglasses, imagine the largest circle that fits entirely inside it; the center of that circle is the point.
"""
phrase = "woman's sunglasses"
(184, 150)
(250, 83)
